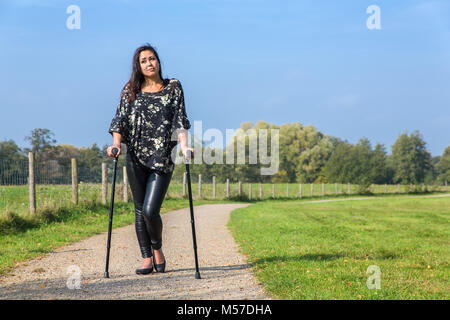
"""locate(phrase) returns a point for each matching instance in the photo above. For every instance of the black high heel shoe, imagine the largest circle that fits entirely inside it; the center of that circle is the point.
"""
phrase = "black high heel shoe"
(145, 270)
(158, 267)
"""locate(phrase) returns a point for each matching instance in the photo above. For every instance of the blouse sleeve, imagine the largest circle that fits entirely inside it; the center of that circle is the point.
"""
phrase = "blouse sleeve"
(119, 122)
(180, 120)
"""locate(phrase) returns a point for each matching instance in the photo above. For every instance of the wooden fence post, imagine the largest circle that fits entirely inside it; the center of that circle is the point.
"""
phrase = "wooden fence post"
(323, 189)
(104, 183)
(335, 188)
(74, 181)
(228, 188)
(385, 188)
(300, 191)
(214, 187)
(239, 188)
(273, 190)
(260, 191)
(249, 191)
(312, 189)
(348, 188)
(287, 190)
(125, 184)
(31, 183)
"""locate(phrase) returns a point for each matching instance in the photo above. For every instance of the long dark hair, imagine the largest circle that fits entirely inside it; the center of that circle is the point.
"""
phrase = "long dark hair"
(137, 78)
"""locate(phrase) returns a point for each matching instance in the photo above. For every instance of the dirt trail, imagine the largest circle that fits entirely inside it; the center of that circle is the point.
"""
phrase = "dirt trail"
(225, 272)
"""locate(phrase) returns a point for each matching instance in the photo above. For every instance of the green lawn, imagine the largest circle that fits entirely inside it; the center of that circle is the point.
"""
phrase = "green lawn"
(303, 250)
(15, 198)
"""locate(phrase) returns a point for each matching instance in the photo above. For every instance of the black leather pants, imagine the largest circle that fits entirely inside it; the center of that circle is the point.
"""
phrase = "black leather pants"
(149, 188)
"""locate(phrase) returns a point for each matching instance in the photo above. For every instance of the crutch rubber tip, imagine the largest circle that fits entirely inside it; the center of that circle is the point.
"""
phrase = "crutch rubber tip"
(106, 275)
(197, 275)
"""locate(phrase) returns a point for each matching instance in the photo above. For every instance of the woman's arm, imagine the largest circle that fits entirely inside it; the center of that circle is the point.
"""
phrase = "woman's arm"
(117, 139)
(182, 137)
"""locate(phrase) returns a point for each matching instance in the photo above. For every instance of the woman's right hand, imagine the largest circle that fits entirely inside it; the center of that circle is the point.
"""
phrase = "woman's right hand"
(109, 151)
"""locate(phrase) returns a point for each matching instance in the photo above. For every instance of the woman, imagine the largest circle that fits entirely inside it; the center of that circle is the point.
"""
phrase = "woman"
(149, 119)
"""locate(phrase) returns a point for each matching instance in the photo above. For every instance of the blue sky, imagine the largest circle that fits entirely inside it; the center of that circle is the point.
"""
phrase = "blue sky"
(313, 62)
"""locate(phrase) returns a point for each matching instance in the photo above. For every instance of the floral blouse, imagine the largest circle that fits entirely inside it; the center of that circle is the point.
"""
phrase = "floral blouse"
(149, 124)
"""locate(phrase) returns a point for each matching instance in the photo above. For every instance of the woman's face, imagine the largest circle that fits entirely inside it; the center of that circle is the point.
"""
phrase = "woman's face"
(149, 64)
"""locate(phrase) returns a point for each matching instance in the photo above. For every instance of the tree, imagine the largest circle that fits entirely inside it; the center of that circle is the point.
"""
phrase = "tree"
(410, 159)
(9, 150)
(362, 166)
(357, 164)
(290, 148)
(339, 166)
(312, 150)
(247, 136)
(89, 164)
(12, 163)
(42, 142)
(379, 169)
(443, 166)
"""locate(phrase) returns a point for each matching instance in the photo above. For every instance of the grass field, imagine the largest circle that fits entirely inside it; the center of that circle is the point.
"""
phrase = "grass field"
(302, 250)
(15, 198)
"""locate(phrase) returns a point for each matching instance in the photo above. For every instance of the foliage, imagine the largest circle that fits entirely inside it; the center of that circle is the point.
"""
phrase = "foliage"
(443, 166)
(306, 155)
(410, 159)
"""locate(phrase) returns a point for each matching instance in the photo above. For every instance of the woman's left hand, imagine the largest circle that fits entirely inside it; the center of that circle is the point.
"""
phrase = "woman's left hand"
(184, 150)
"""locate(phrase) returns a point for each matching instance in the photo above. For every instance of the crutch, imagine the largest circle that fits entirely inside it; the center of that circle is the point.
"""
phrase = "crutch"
(188, 174)
(111, 207)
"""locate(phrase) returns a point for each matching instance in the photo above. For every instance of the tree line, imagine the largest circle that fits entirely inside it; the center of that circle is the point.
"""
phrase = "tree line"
(306, 155)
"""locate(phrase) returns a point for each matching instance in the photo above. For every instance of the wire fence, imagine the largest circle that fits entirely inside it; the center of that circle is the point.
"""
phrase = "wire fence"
(53, 183)
(54, 186)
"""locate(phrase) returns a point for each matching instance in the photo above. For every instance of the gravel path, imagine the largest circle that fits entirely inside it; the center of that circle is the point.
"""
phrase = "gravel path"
(225, 272)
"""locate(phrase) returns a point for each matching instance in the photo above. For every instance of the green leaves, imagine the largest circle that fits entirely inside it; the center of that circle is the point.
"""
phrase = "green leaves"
(410, 159)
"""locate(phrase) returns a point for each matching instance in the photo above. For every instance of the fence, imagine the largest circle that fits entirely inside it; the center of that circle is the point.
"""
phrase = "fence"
(26, 186)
